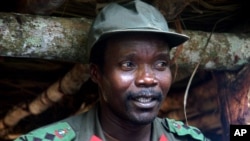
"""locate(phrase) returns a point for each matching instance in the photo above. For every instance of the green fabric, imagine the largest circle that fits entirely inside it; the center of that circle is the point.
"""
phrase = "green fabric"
(132, 16)
(181, 129)
(61, 131)
(84, 126)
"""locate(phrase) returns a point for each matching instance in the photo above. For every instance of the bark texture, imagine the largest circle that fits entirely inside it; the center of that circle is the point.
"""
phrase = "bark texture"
(43, 37)
(68, 85)
(224, 51)
(65, 39)
(202, 104)
(234, 90)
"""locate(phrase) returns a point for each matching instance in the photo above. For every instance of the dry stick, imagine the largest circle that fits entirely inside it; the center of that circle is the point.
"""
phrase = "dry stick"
(69, 84)
(196, 67)
(223, 8)
(42, 7)
(180, 47)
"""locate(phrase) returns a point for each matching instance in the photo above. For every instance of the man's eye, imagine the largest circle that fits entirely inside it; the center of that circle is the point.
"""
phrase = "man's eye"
(161, 65)
(127, 65)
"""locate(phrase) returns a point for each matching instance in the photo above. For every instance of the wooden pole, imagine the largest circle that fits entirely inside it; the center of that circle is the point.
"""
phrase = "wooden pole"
(234, 89)
(44, 37)
(68, 85)
(65, 39)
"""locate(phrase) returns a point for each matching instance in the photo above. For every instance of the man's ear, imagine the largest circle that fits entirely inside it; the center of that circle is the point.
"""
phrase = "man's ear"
(94, 73)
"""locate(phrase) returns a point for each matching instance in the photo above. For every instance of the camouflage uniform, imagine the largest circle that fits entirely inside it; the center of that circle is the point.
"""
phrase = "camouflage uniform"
(86, 127)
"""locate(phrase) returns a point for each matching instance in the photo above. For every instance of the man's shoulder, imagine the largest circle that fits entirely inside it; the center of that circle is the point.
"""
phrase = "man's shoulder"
(63, 130)
(59, 131)
(180, 129)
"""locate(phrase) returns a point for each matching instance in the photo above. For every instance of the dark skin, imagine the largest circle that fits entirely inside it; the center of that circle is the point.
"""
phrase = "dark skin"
(135, 79)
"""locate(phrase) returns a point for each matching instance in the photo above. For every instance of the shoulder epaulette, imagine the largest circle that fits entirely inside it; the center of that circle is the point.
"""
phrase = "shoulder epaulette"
(181, 129)
(61, 131)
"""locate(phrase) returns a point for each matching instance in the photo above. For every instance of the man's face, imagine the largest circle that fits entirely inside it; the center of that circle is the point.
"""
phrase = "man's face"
(136, 77)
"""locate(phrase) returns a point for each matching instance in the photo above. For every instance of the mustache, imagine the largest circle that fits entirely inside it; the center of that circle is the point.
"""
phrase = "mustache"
(148, 93)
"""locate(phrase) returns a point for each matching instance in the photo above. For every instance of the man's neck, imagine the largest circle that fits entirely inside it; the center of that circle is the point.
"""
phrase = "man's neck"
(116, 129)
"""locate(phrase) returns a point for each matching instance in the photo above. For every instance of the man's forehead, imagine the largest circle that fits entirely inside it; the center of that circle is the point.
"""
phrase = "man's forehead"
(135, 46)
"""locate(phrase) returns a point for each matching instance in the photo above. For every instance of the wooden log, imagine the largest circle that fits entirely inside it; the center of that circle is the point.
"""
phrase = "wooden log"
(69, 84)
(203, 96)
(203, 109)
(225, 51)
(234, 89)
(65, 39)
(43, 37)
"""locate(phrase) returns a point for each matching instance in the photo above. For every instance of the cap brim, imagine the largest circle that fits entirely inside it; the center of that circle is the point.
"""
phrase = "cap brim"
(173, 39)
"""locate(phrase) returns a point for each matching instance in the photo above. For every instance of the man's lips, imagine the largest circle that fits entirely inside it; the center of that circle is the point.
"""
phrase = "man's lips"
(145, 99)
(145, 102)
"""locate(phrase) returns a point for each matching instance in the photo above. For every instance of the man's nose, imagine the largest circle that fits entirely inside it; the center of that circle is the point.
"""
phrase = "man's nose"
(146, 77)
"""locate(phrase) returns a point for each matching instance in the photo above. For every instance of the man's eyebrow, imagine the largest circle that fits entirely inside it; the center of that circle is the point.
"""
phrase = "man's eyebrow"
(163, 55)
(128, 56)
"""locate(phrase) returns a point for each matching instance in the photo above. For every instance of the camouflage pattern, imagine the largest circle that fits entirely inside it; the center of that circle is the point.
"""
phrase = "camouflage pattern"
(86, 127)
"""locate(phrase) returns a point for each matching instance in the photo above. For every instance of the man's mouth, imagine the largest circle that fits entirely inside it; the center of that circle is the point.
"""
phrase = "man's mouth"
(144, 102)
(144, 99)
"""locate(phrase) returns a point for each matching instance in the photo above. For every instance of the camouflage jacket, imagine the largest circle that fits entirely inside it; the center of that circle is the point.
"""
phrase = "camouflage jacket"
(86, 127)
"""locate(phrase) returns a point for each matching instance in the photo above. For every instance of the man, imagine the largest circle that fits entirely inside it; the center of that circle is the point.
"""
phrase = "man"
(129, 61)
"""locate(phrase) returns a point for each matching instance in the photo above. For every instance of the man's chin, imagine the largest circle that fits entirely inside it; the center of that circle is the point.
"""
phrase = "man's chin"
(143, 120)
